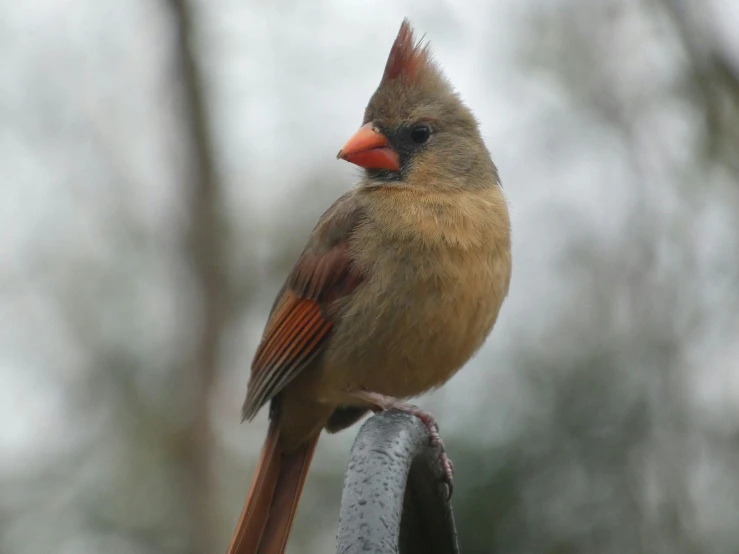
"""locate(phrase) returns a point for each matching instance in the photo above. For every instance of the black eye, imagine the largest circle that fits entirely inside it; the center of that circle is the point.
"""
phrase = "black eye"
(420, 133)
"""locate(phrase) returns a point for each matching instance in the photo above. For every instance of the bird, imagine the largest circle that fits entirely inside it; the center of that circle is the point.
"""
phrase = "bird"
(399, 285)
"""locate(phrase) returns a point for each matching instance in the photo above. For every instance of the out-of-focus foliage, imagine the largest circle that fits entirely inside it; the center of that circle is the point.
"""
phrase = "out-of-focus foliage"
(141, 251)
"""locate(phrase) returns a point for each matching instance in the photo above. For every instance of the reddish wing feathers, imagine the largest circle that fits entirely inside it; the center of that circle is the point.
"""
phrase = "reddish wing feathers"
(291, 340)
(407, 57)
(301, 320)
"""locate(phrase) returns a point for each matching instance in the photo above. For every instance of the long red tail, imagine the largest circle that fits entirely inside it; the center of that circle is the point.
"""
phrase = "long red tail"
(265, 522)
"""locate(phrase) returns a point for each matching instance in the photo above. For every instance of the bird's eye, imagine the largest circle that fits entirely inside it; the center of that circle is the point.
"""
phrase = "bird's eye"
(420, 133)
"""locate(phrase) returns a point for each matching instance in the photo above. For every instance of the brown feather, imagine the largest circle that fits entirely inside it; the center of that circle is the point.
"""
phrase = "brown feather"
(267, 517)
(256, 509)
(290, 482)
(301, 320)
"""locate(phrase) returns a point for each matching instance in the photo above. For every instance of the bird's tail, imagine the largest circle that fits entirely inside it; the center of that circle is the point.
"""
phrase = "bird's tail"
(267, 517)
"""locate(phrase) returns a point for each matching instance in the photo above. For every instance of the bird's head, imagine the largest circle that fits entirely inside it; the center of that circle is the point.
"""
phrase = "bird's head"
(416, 129)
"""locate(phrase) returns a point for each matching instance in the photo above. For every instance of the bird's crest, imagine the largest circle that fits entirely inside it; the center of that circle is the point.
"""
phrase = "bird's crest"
(408, 58)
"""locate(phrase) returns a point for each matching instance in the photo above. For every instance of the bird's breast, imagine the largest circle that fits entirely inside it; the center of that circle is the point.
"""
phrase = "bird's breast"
(421, 313)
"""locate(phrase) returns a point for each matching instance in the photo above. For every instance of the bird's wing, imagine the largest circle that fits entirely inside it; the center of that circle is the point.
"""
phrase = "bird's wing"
(300, 322)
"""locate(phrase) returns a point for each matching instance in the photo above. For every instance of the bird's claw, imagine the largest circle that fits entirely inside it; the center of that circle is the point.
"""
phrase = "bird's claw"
(435, 441)
(382, 402)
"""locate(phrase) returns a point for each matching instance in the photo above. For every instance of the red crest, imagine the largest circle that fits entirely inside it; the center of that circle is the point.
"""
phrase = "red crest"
(407, 57)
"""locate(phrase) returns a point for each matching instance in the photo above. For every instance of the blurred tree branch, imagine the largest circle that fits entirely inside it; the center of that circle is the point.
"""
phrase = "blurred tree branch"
(712, 76)
(205, 251)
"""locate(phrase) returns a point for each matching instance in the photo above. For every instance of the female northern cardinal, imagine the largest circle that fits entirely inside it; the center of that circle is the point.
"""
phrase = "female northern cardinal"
(399, 285)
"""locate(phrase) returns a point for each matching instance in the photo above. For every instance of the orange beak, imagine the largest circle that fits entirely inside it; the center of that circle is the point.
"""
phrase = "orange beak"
(371, 150)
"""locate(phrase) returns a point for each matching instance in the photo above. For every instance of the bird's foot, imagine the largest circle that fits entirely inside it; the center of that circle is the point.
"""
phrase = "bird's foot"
(382, 403)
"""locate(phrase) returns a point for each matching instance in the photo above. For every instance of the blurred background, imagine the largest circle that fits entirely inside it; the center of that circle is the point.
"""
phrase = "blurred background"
(161, 163)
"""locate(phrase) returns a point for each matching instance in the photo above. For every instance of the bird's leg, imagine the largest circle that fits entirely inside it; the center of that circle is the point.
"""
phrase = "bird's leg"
(381, 402)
